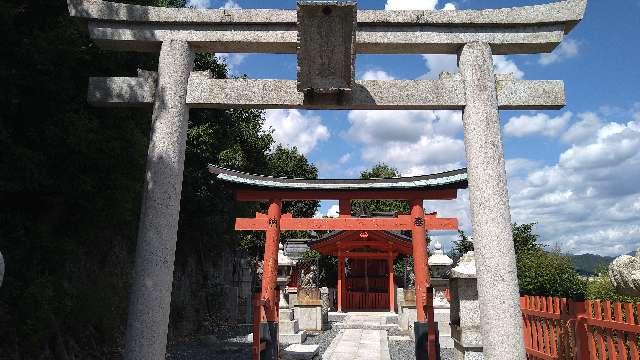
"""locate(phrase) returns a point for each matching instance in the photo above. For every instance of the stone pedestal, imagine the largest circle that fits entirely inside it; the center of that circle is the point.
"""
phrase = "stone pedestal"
(311, 317)
(289, 329)
(407, 309)
(465, 310)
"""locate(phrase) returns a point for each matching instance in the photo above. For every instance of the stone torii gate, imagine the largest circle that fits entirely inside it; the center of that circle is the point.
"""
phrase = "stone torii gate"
(326, 37)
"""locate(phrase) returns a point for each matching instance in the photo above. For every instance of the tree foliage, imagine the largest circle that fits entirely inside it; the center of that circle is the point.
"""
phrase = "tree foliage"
(460, 247)
(71, 178)
(367, 207)
(542, 272)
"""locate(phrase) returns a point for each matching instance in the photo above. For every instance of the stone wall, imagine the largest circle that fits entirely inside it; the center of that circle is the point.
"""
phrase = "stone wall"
(212, 296)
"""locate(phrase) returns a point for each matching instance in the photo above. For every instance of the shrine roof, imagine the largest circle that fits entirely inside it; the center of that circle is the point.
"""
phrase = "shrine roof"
(456, 179)
(347, 241)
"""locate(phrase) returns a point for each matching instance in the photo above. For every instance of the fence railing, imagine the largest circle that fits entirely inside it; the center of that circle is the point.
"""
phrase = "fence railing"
(558, 328)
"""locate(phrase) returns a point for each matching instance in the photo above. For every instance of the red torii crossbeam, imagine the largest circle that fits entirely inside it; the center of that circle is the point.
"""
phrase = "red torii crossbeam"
(402, 222)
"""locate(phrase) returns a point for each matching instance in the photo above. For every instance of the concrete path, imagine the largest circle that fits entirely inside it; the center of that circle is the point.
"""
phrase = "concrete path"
(359, 344)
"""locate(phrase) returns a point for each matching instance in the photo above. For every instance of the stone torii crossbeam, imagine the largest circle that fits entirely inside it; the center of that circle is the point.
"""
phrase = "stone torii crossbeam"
(326, 81)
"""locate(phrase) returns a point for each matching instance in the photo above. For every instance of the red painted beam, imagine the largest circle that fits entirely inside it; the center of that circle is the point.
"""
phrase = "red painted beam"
(402, 222)
(262, 195)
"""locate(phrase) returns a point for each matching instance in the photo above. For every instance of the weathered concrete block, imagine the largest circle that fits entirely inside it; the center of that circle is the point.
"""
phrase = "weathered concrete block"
(326, 48)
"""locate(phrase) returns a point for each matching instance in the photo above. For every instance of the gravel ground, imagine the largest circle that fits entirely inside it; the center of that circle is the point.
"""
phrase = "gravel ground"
(402, 350)
(237, 348)
(222, 351)
(323, 339)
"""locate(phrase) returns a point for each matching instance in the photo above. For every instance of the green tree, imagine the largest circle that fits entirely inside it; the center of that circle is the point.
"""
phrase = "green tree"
(601, 288)
(460, 247)
(541, 272)
(367, 207)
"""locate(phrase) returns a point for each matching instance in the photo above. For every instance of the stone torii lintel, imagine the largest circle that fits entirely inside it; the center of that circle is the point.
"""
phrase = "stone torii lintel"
(527, 29)
(447, 93)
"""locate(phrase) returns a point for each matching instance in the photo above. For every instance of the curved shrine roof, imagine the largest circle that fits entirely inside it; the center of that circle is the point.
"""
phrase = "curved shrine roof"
(456, 179)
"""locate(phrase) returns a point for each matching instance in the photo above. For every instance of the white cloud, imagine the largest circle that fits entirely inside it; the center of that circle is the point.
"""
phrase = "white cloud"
(200, 4)
(376, 75)
(615, 143)
(416, 142)
(589, 200)
(583, 130)
(230, 4)
(520, 166)
(437, 64)
(538, 124)
(296, 128)
(344, 158)
(504, 65)
(207, 4)
(568, 49)
(449, 6)
(411, 4)
(232, 60)
(334, 211)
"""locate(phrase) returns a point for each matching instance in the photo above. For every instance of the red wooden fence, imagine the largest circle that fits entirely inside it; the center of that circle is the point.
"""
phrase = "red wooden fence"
(557, 328)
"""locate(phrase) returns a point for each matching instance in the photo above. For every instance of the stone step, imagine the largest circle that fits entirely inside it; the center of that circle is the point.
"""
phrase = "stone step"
(297, 338)
(300, 352)
(366, 326)
(337, 316)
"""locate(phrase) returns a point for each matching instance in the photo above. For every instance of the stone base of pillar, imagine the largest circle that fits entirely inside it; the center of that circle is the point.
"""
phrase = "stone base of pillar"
(421, 330)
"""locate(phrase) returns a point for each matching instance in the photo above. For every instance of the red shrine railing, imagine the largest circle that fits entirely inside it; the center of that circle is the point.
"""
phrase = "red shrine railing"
(557, 328)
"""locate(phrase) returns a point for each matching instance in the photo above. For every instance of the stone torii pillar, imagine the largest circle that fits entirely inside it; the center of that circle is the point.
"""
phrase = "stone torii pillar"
(150, 297)
(498, 291)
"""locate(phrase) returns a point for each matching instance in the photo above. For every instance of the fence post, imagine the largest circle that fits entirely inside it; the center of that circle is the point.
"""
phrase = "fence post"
(579, 311)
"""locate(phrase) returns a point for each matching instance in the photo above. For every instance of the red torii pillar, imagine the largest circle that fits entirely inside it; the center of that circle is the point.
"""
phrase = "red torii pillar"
(392, 286)
(344, 206)
(341, 282)
(425, 326)
(269, 277)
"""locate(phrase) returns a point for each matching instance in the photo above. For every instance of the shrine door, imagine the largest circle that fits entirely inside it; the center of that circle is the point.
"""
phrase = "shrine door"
(367, 285)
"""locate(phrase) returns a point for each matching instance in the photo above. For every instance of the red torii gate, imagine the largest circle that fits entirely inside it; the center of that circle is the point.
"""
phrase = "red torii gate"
(443, 186)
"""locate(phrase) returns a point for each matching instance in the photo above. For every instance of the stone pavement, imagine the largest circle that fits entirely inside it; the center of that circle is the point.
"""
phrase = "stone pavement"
(359, 344)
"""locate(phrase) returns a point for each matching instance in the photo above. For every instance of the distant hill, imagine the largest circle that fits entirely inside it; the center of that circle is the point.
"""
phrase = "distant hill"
(588, 264)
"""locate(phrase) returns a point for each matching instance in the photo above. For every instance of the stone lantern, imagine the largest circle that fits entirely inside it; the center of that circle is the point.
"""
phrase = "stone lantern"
(289, 332)
(440, 267)
(285, 267)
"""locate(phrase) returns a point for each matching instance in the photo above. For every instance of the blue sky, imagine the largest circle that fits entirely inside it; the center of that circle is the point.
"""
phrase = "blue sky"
(576, 172)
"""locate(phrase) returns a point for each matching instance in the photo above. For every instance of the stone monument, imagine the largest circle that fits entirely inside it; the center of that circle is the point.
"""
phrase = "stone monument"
(465, 310)
(474, 35)
(624, 273)
(440, 265)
